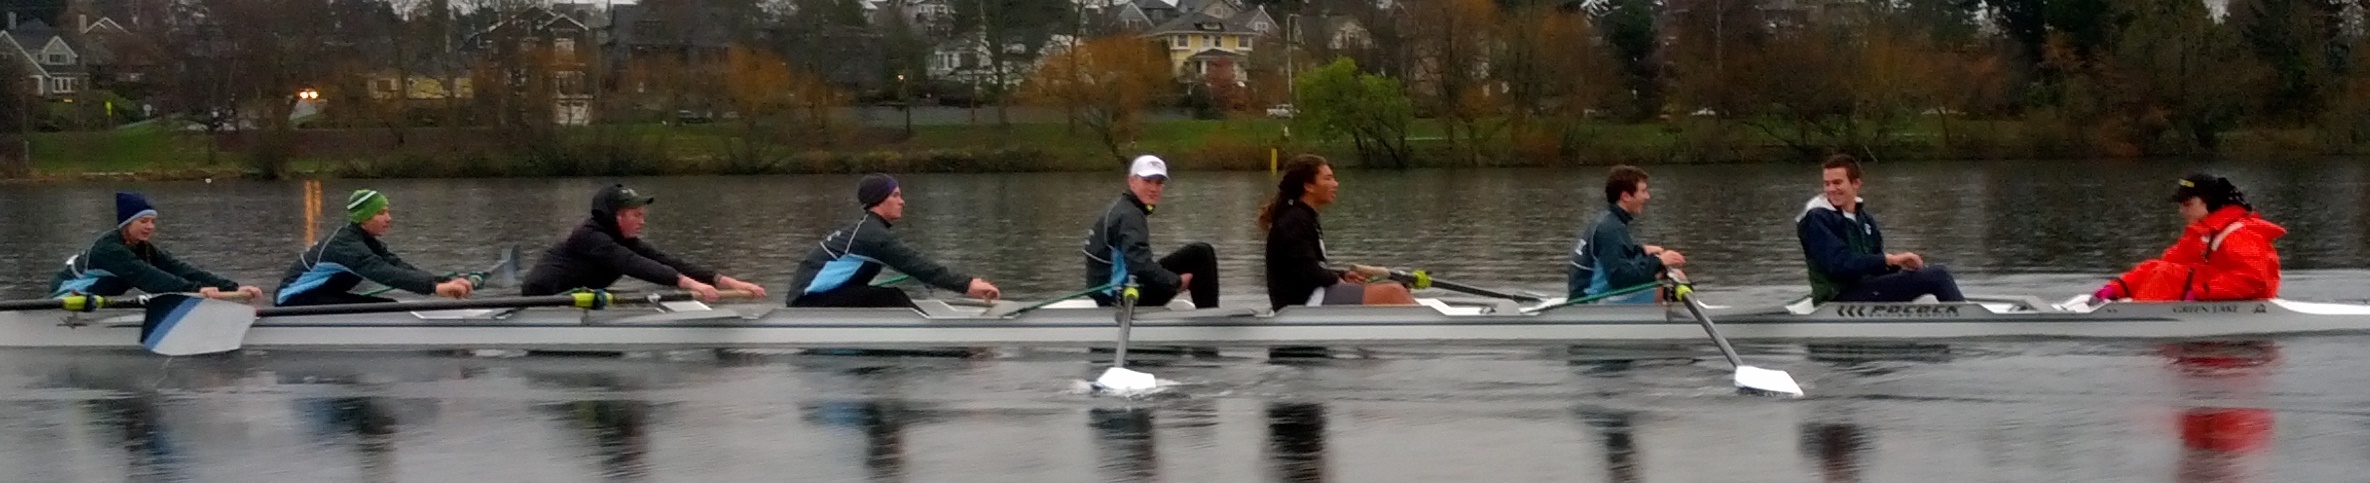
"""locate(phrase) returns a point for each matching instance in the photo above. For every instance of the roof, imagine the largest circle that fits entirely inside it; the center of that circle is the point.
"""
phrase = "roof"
(1197, 22)
(637, 25)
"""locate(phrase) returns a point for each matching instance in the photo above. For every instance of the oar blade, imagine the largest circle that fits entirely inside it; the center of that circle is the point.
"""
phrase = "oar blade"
(1766, 381)
(181, 325)
(1119, 381)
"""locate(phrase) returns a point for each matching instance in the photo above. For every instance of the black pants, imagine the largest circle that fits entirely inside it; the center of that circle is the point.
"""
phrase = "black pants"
(332, 298)
(1197, 259)
(1904, 286)
(860, 296)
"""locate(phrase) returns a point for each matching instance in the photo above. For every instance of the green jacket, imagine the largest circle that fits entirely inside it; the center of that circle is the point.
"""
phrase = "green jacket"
(345, 259)
(110, 268)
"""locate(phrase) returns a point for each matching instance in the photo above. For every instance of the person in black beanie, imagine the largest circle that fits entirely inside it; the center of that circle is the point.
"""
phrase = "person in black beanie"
(839, 270)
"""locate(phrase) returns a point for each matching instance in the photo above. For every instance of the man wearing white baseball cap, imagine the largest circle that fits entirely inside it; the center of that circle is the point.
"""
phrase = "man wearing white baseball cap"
(1119, 244)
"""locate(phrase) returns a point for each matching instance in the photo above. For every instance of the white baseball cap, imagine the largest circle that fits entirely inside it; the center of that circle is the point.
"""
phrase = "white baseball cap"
(1149, 167)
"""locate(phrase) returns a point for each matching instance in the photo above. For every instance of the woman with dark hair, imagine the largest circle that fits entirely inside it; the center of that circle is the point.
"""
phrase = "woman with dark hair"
(2224, 254)
(1297, 272)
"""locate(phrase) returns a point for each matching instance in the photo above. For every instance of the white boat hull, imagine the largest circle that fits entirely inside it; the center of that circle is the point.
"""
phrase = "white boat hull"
(752, 326)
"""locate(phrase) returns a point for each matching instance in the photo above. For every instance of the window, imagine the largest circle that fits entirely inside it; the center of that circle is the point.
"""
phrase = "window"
(1181, 42)
(384, 86)
(1244, 42)
(54, 58)
(1210, 41)
(564, 47)
(570, 83)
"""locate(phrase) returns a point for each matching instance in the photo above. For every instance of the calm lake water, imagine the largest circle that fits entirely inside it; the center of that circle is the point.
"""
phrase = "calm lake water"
(2284, 410)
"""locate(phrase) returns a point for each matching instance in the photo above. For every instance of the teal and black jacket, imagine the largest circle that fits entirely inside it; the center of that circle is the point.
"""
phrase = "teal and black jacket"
(853, 255)
(1840, 248)
(1607, 258)
(345, 259)
(111, 267)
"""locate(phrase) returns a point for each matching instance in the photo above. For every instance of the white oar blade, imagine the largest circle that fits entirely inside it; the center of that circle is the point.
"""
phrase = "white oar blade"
(1767, 380)
(182, 325)
(1119, 381)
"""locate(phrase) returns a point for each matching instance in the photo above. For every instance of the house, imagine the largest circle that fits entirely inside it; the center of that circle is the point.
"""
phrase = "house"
(1208, 34)
(46, 56)
(536, 55)
(968, 61)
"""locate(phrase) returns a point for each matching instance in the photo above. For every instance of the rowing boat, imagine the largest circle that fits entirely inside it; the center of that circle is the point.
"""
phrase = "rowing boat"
(1471, 321)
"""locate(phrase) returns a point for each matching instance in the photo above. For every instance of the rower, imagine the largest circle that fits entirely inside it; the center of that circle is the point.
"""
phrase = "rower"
(1607, 257)
(609, 246)
(1119, 244)
(126, 258)
(835, 273)
(2225, 253)
(1845, 249)
(326, 273)
(1297, 273)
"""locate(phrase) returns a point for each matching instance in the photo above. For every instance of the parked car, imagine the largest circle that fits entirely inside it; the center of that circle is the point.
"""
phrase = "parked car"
(1282, 111)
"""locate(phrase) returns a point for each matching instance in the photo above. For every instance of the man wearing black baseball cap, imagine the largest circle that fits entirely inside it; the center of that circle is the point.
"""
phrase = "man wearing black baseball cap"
(838, 272)
(2224, 253)
(609, 245)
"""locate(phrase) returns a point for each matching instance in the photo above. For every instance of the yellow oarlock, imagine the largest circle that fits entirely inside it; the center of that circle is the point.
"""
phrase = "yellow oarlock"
(593, 300)
(1130, 292)
(1682, 291)
(1423, 279)
(83, 303)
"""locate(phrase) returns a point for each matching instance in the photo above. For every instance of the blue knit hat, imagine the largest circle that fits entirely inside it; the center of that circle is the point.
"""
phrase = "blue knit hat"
(131, 206)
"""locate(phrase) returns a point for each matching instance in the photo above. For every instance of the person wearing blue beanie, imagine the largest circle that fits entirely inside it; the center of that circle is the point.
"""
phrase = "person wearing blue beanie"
(126, 258)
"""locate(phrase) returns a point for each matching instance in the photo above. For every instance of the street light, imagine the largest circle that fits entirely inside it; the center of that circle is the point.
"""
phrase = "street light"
(905, 102)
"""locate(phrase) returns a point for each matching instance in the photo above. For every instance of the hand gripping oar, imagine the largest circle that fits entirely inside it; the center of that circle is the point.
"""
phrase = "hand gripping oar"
(1118, 380)
(179, 325)
(1747, 377)
(503, 273)
(1419, 279)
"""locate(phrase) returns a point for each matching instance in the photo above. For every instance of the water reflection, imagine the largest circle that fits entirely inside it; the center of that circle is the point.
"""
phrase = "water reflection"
(368, 421)
(616, 431)
(1835, 449)
(138, 428)
(1622, 464)
(1296, 441)
(883, 424)
(2222, 442)
(1124, 440)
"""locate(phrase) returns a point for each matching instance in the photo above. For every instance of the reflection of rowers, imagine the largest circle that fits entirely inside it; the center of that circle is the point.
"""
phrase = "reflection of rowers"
(2219, 443)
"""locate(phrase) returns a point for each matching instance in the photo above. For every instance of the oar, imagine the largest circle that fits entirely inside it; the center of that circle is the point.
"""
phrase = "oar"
(1593, 298)
(1118, 380)
(87, 303)
(503, 273)
(1747, 377)
(1420, 279)
(1048, 302)
(892, 281)
(178, 325)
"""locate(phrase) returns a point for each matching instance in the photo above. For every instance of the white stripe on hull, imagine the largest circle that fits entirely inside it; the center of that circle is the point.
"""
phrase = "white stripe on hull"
(765, 326)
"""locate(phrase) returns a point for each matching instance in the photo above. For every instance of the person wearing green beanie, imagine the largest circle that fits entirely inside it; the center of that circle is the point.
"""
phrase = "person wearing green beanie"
(327, 273)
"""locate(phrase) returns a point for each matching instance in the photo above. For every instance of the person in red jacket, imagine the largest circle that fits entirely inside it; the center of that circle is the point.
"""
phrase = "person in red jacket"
(2224, 254)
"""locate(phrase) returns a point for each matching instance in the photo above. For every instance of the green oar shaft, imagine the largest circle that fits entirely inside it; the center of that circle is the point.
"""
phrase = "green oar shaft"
(1055, 300)
(1593, 298)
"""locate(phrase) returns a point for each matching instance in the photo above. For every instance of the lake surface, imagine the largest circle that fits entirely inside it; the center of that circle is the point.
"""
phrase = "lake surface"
(2283, 410)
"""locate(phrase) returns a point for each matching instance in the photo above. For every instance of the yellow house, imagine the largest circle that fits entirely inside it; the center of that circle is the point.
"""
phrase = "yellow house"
(1205, 37)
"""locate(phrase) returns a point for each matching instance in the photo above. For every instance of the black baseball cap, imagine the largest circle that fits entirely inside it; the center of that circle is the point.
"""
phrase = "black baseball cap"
(618, 197)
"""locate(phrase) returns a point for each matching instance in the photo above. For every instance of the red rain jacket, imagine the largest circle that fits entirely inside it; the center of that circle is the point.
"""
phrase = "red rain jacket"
(2226, 256)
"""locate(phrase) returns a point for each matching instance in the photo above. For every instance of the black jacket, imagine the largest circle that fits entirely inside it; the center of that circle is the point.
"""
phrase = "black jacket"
(853, 255)
(596, 254)
(1296, 256)
(1120, 244)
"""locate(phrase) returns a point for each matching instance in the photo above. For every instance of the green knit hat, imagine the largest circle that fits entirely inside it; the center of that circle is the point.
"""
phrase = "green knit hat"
(365, 204)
